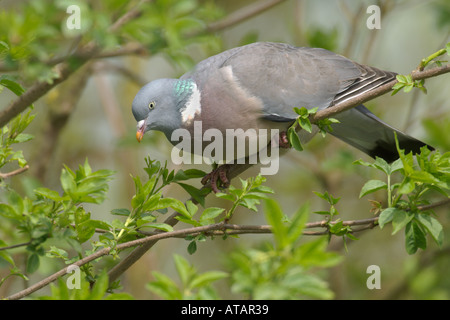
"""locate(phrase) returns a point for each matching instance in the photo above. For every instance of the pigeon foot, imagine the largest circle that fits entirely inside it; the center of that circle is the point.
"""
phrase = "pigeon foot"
(218, 175)
(283, 141)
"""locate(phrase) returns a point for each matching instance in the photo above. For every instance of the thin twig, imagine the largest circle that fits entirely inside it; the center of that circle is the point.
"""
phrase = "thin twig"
(434, 205)
(41, 284)
(63, 70)
(243, 14)
(13, 173)
(23, 244)
(133, 13)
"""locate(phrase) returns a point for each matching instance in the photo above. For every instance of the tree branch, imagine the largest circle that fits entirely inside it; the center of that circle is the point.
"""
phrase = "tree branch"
(133, 13)
(58, 114)
(220, 228)
(13, 173)
(64, 69)
(351, 103)
(242, 14)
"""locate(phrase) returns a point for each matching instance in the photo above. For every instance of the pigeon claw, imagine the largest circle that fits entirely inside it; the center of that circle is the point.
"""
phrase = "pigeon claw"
(217, 177)
(283, 141)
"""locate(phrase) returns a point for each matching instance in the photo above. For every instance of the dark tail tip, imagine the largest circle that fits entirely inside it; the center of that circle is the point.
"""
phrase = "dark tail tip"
(389, 152)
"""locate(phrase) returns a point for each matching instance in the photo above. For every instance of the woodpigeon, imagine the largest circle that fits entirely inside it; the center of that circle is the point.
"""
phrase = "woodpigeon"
(256, 86)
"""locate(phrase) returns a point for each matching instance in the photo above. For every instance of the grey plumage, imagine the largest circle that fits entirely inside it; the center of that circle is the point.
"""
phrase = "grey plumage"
(258, 85)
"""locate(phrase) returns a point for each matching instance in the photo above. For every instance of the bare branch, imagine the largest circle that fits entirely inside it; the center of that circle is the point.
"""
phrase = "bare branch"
(15, 246)
(58, 114)
(63, 71)
(13, 173)
(134, 13)
(434, 205)
(351, 103)
(243, 14)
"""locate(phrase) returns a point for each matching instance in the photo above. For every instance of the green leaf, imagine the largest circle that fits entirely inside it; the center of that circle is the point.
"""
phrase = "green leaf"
(382, 165)
(206, 278)
(23, 137)
(68, 183)
(209, 214)
(414, 238)
(314, 253)
(175, 204)
(305, 124)
(197, 194)
(144, 220)
(119, 296)
(226, 196)
(191, 221)
(12, 85)
(398, 86)
(160, 226)
(372, 186)
(401, 78)
(138, 200)
(325, 213)
(400, 220)
(100, 287)
(3, 46)
(250, 202)
(339, 229)
(5, 255)
(55, 252)
(191, 207)
(302, 112)
(192, 247)
(184, 269)
(327, 197)
(164, 287)
(407, 186)
(32, 263)
(408, 88)
(188, 174)
(294, 139)
(85, 230)
(297, 224)
(396, 165)
(121, 212)
(386, 216)
(47, 193)
(8, 211)
(99, 224)
(363, 163)
(274, 217)
(433, 226)
(151, 203)
(423, 176)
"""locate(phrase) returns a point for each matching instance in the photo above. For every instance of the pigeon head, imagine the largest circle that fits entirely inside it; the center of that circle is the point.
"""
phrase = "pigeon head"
(155, 107)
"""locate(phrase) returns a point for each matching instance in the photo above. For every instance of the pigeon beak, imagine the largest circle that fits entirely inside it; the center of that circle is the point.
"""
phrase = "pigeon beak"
(140, 130)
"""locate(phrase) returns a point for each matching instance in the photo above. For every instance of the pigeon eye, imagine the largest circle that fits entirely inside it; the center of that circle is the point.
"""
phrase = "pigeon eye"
(151, 105)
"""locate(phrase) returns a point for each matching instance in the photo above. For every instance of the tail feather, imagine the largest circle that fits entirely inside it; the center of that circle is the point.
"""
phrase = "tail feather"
(363, 130)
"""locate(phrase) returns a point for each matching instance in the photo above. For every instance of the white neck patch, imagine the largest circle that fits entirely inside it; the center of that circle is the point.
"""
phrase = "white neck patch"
(193, 105)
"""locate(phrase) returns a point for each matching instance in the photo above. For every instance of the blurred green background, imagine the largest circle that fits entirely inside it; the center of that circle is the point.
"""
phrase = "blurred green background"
(100, 125)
